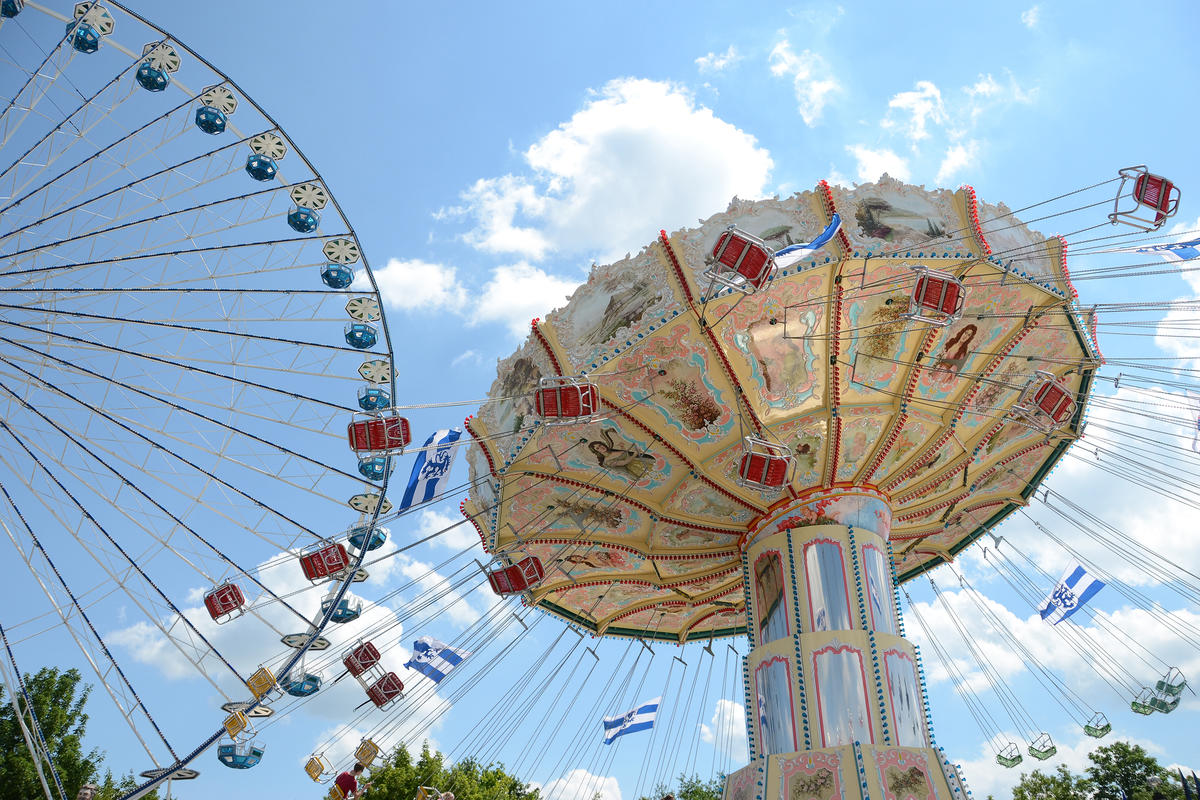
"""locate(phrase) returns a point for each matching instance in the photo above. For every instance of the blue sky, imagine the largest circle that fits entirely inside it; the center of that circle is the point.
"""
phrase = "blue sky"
(487, 155)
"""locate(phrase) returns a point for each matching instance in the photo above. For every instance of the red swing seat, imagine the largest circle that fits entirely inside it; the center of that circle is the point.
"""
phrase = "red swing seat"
(1155, 199)
(516, 578)
(741, 261)
(764, 465)
(564, 399)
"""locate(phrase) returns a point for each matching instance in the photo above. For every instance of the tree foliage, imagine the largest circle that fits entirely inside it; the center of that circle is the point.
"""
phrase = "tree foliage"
(1123, 770)
(399, 777)
(693, 788)
(58, 701)
(1118, 771)
(1058, 785)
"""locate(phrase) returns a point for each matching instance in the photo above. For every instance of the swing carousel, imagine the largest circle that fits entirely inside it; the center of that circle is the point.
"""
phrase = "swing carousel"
(731, 434)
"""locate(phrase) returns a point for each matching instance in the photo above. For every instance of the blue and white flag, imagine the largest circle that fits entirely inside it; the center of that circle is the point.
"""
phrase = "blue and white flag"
(1175, 251)
(432, 468)
(434, 659)
(1073, 590)
(638, 719)
(793, 253)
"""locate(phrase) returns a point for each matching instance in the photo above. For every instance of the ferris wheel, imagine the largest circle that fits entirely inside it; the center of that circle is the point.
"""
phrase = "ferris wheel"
(188, 325)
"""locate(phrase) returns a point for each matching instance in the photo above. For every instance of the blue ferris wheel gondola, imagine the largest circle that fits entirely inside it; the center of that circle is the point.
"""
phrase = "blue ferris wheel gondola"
(303, 220)
(379, 535)
(151, 79)
(361, 335)
(337, 276)
(348, 609)
(84, 37)
(240, 755)
(373, 398)
(375, 468)
(260, 167)
(210, 120)
(10, 8)
(305, 684)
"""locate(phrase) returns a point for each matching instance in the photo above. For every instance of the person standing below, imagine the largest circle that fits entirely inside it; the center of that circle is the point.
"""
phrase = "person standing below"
(348, 783)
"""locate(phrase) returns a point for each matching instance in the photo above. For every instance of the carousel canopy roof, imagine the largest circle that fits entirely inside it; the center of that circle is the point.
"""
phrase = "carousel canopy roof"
(868, 377)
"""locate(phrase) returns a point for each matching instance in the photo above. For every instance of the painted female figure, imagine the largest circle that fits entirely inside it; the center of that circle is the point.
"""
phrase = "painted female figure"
(611, 456)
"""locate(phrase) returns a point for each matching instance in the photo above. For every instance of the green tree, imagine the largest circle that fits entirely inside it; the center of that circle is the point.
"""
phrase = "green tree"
(1122, 770)
(693, 788)
(1059, 785)
(399, 776)
(58, 701)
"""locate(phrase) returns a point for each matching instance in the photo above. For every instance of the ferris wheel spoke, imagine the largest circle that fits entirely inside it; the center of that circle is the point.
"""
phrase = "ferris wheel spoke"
(190, 365)
(167, 453)
(177, 524)
(47, 73)
(48, 213)
(278, 469)
(148, 222)
(123, 695)
(49, 311)
(136, 260)
(159, 394)
(102, 165)
(192, 645)
(81, 131)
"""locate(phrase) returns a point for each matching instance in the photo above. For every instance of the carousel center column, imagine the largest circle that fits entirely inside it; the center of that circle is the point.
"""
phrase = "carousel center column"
(835, 703)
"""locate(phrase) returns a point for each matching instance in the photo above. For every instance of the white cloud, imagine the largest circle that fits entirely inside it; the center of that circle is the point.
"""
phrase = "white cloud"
(986, 86)
(922, 105)
(812, 79)
(929, 120)
(415, 285)
(638, 156)
(457, 536)
(466, 356)
(495, 203)
(1030, 17)
(714, 62)
(579, 784)
(726, 731)
(873, 163)
(436, 595)
(518, 293)
(958, 156)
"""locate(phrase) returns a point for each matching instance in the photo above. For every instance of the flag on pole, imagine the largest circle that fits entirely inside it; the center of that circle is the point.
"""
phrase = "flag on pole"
(431, 469)
(793, 253)
(638, 719)
(1072, 591)
(1175, 251)
(434, 659)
